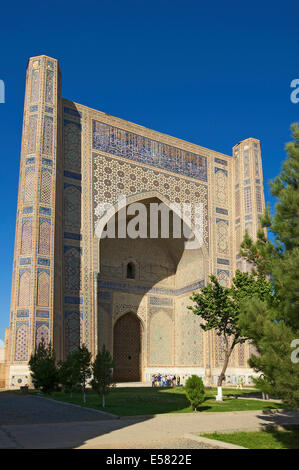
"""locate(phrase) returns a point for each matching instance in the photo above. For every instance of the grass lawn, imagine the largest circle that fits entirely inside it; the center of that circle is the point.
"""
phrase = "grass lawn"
(260, 439)
(147, 400)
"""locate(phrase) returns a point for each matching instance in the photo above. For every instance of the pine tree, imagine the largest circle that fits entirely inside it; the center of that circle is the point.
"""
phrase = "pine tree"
(69, 373)
(195, 391)
(273, 324)
(43, 368)
(102, 373)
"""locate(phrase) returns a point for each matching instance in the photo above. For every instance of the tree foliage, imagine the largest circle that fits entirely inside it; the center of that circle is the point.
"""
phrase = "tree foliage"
(43, 368)
(82, 361)
(195, 391)
(273, 323)
(220, 307)
(69, 373)
(102, 373)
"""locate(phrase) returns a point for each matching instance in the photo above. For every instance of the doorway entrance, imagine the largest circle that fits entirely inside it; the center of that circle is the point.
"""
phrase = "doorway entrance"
(127, 348)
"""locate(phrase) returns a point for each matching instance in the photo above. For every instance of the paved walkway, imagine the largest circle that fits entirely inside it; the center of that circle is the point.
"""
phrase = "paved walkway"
(52, 425)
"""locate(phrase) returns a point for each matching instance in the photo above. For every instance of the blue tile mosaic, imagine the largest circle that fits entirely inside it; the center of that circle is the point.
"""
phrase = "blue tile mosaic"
(221, 211)
(28, 210)
(220, 161)
(222, 220)
(30, 161)
(42, 270)
(220, 169)
(73, 300)
(219, 271)
(104, 295)
(66, 122)
(42, 313)
(70, 174)
(72, 112)
(47, 162)
(25, 261)
(45, 211)
(146, 289)
(77, 248)
(68, 185)
(144, 150)
(222, 261)
(44, 261)
(23, 313)
(163, 301)
(72, 236)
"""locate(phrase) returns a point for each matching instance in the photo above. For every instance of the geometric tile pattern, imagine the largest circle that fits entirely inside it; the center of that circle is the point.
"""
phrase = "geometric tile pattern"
(43, 289)
(21, 348)
(160, 337)
(24, 295)
(113, 177)
(42, 332)
(44, 237)
(141, 149)
(26, 244)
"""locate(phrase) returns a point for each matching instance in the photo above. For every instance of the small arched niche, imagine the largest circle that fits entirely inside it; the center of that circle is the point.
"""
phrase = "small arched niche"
(130, 270)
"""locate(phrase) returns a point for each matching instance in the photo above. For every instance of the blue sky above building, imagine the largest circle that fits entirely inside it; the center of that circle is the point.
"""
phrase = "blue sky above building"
(209, 74)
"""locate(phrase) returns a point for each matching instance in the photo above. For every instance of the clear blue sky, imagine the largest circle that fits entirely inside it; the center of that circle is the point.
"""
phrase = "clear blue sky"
(212, 74)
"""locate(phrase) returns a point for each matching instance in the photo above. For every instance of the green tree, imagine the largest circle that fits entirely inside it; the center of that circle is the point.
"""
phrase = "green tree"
(82, 361)
(195, 391)
(220, 307)
(69, 373)
(273, 323)
(102, 373)
(43, 368)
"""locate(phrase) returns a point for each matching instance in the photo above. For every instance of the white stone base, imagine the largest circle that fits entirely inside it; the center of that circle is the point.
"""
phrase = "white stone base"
(19, 376)
(232, 374)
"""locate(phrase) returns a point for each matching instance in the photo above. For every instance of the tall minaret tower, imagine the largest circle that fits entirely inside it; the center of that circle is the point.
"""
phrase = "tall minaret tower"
(35, 311)
(248, 194)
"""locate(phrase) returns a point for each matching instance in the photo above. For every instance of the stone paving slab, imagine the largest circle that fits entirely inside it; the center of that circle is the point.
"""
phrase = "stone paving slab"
(30, 409)
(136, 433)
(35, 423)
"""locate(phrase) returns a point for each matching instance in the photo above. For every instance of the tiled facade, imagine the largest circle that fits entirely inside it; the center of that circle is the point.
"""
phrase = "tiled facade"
(68, 287)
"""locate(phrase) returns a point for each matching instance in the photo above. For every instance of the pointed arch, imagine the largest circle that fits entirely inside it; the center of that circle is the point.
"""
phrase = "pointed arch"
(42, 332)
(46, 187)
(21, 346)
(44, 237)
(29, 185)
(26, 240)
(43, 285)
(24, 295)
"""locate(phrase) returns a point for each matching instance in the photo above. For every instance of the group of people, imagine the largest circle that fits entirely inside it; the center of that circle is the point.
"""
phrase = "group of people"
(159, 380)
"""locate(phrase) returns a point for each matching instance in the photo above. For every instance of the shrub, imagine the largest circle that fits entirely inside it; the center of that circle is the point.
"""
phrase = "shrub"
(195, 391)
(43, 368)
